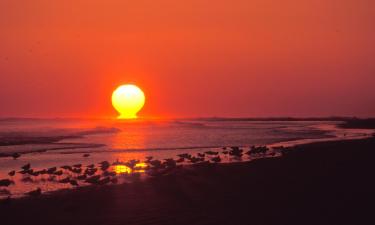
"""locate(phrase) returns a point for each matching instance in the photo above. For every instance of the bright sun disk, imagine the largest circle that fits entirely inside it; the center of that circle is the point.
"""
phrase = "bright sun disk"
(128, 100)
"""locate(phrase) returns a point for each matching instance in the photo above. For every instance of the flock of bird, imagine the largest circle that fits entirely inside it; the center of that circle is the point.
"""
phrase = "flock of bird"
(102, 174)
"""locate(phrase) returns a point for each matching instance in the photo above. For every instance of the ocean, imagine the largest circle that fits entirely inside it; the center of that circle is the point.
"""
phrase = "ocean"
(46, 143)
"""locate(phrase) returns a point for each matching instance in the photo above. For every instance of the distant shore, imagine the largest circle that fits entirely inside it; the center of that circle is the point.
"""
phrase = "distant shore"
(319, 183)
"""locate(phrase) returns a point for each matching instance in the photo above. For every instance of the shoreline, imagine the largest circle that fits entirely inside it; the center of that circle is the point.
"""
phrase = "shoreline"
(320, 178)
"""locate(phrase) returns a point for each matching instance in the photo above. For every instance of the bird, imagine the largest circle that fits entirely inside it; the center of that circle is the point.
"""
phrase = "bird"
(66, 167)
(90, 172)
(91, 166)
(211, 153)
(51, 170)
(73, 182)
(6, 182)
(86, 155)
(107, 173)
(16, 155)
(65, 180)
(58, 173)
(93, 179)
(216, 159)
(35, 193)
(77, 165)
(82, 177)
(201, 155)
(12, 173)
(149, 158)
(77, 170)
(26, 167)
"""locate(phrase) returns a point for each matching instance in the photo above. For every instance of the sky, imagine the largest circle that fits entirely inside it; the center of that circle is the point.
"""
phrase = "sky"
(196, 58)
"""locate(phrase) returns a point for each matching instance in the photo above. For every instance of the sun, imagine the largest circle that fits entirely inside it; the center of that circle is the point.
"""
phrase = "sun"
(128, 100)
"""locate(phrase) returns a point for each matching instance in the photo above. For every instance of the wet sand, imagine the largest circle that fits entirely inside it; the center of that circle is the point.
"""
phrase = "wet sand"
(320, 183)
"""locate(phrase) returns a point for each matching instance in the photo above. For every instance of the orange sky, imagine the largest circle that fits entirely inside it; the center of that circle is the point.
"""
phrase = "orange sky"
(192, 58)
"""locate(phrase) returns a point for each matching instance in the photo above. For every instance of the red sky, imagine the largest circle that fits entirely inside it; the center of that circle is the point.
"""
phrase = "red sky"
(191, 58)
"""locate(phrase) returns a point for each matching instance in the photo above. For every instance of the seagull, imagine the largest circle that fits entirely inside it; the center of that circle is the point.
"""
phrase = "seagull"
(73, 182)
(26, 167)
(216, 159)
(6, 182)
(12, 173)
(16, 155)
(65, 180)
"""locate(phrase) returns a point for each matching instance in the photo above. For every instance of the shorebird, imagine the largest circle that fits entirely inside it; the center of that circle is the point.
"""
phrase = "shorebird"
(108, 174)
(73, 182)
(149, 158)
(171, 163)
(90, 172)
(236, 151)
(58, 173)
(35, 193)
(82, 177)
(86, 155)
(65, 180)
(216, 159)
(77, 170)
(77, 165)
(202, 155)
(90, 166)
(131, 164)
(180, 160)
(93, 179)
(66, 167)
(12, 173)
(6, 182)
(155, 163)
(26, 167)
(16, 155)
(104, 165)
(51, 170)
(211, 153)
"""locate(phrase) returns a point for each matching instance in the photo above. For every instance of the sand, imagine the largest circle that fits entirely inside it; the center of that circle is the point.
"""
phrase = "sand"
(320, 183)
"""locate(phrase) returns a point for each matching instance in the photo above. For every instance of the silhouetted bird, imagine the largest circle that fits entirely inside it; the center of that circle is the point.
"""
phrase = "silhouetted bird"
(216, 159)
(77, 165)
(91, 166)
(26, 167)
(12, 173)
(201, 155)
(93, 179)
(6, 182)
(82, 177)
(51, 170)
(66, 167)
(86, 155)
(58, 173)
(65, 180)
(211, 153)
(73, 182)
(16, 155)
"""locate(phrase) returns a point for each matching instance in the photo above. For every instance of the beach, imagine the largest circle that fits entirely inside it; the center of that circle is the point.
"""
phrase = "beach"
(319, 183)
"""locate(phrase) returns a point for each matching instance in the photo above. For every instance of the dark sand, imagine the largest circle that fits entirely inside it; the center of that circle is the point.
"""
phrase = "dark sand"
(321, 183)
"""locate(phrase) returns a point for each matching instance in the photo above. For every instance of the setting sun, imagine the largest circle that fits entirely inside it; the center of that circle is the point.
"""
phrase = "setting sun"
(128, 100)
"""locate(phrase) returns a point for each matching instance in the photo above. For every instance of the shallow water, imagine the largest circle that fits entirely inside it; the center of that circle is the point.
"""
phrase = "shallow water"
(57, 142)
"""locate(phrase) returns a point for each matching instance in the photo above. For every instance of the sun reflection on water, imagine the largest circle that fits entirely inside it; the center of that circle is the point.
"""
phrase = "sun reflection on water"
(120, 169)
